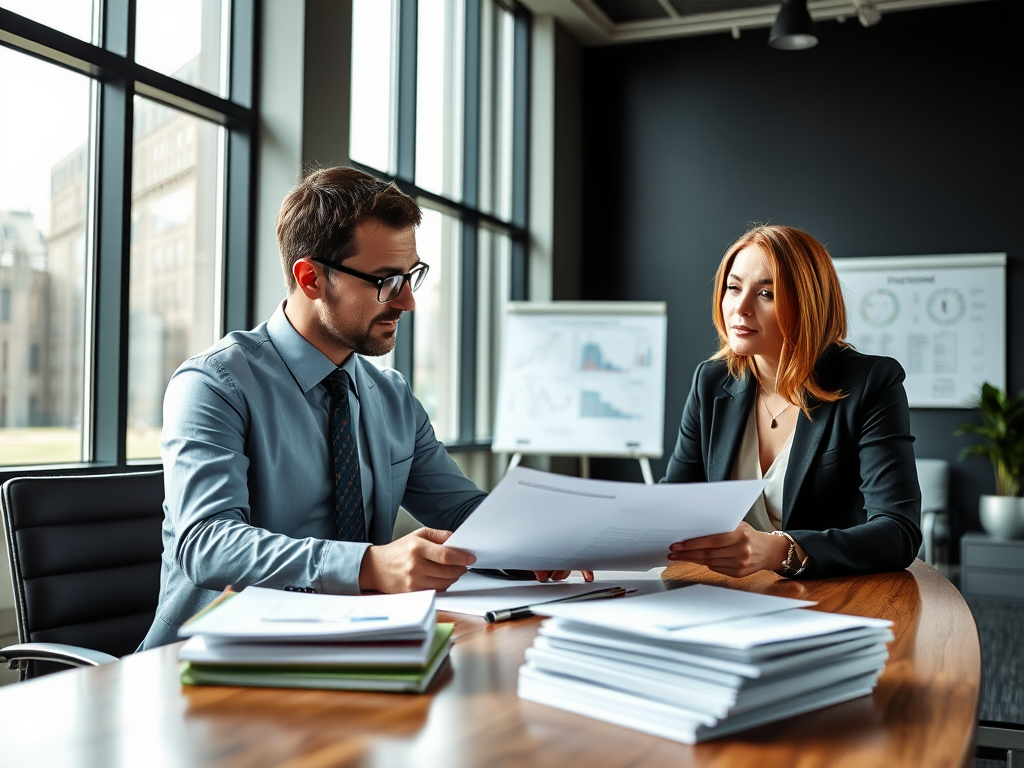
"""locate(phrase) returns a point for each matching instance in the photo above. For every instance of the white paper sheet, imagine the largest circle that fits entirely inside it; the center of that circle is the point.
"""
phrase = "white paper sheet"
(475, 595)
(259, 615)
(541, 521)
(659, 614)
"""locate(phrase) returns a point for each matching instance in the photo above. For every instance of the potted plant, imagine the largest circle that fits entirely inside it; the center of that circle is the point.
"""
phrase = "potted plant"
(1002, 443)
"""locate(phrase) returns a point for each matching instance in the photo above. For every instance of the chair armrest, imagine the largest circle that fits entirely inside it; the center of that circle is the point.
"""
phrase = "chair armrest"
(73, 655)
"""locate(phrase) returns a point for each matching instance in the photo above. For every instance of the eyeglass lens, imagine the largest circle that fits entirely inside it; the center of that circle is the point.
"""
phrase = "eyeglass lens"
(392, 286)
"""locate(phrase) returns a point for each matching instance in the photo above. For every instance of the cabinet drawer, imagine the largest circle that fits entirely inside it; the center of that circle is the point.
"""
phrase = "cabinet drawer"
(992, 556)
(1007, 586)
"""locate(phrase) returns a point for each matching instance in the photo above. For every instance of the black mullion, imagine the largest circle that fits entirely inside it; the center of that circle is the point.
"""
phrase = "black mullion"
(113, 243)
(405, 160)
(520, 153)
(471, 107)
(240, 213)
(470, 198)
(520, 116)
(467, 330)
(405, 151)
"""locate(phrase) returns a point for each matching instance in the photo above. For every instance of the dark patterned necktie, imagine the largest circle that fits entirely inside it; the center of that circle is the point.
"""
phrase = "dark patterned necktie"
(349, 519)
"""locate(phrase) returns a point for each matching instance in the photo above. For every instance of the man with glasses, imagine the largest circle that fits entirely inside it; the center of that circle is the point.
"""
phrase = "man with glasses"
(286, 456)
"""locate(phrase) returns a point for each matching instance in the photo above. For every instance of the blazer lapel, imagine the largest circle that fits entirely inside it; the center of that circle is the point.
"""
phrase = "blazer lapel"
(806, 440)
(808, 435)
(728, 418)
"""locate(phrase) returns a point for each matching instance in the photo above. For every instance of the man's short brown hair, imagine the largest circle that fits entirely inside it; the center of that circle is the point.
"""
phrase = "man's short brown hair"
(320, 215)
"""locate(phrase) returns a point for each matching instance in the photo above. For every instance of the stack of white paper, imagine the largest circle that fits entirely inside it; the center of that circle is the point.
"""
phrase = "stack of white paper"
(265, 637)
(700, 662)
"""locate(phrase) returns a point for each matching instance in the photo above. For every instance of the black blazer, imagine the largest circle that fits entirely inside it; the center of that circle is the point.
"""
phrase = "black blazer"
(851, 495)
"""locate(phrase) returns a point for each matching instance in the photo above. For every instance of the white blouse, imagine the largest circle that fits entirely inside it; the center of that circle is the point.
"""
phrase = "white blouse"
(766, 514)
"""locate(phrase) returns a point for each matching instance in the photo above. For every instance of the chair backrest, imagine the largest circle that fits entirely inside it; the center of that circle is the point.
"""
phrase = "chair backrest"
(85, 559)
(933, 475)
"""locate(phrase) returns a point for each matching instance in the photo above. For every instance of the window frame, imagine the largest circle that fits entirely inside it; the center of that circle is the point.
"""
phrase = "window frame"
(466, 209)
(118, 79)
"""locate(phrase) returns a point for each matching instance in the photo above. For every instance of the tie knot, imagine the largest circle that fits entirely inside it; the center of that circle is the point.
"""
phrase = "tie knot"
(336, 383)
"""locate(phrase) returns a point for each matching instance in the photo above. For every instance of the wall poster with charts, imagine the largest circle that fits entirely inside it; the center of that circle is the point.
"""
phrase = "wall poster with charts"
(582, 378)
(942, 317)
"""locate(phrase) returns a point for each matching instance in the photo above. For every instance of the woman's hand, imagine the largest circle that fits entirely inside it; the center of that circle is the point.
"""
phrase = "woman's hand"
(738, 553)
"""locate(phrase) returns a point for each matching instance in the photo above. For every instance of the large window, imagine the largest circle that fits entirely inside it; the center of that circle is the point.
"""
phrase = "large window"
(125, 165)
(439, 93)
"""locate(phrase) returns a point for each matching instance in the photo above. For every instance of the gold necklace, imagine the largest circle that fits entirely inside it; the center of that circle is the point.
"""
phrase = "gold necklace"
(774, 418)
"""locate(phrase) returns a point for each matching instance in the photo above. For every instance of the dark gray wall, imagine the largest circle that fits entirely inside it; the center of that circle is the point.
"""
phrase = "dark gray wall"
(900, 139)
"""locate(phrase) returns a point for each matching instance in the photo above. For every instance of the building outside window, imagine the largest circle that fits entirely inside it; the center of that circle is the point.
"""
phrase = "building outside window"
(117, 184)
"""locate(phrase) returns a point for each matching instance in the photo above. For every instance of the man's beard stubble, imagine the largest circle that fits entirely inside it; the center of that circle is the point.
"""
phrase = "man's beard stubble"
(364, 342)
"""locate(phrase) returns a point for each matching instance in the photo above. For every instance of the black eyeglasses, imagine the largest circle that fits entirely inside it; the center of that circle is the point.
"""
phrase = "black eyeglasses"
(389, 287)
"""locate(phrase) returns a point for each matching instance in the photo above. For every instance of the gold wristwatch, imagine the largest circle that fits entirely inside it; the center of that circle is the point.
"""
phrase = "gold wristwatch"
(792, 565)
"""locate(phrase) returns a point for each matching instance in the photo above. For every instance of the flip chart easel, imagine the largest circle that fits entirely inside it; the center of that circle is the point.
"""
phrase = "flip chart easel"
(582, 379)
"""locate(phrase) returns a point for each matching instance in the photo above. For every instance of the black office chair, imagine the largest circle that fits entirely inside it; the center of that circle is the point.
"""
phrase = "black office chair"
(85, 561)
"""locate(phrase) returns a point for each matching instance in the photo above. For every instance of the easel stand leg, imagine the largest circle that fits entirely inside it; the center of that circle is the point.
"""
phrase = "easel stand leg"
(514, 462)
(645, 469)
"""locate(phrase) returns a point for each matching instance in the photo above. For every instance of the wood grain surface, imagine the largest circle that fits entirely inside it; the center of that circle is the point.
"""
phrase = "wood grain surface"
(136, 713)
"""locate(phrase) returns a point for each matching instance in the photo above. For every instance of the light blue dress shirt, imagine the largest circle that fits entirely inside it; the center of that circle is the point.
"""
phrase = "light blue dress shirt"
(249, 498)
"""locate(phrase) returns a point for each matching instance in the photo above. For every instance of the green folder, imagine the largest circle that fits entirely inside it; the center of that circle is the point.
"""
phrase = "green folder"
(329, 677)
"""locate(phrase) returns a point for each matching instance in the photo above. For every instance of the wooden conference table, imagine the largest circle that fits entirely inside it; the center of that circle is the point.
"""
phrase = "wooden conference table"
(136, 713)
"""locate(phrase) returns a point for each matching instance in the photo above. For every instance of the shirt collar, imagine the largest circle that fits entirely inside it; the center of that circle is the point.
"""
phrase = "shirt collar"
(307, 364)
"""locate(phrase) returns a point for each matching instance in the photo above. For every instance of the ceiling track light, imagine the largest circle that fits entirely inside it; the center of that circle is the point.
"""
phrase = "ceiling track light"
(793, 29)
(867, 12)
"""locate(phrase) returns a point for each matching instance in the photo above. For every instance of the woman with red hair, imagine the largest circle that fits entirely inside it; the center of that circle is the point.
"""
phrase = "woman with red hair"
(787, 399)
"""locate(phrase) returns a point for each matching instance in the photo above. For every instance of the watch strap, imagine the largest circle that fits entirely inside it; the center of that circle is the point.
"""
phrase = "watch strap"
(791, 566)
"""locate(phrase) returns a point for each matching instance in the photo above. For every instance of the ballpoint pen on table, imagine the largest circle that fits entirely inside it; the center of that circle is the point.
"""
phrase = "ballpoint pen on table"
(524, 610)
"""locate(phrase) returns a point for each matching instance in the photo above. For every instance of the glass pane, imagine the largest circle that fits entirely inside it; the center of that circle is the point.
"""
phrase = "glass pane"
(185, 39)
(439, 86)
(493, 289)
(436, 323)
(496, 52)
(372, 130)
(72, 17)
(177, 202)
(44, 184)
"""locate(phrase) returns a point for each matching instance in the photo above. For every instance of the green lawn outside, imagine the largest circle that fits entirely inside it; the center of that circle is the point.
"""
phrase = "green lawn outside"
(60, 445)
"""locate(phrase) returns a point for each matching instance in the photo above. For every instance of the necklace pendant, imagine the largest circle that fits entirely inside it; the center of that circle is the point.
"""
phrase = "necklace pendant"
(774, 424)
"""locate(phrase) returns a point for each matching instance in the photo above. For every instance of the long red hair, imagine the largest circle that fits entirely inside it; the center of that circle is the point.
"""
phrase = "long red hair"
(809, 308)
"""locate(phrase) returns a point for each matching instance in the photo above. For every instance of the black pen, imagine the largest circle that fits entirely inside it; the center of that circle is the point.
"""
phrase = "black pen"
(524, 610)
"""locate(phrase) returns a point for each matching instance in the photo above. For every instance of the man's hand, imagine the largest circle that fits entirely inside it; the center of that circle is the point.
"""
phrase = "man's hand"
(413, 562)
(560, 575)
(737, 553)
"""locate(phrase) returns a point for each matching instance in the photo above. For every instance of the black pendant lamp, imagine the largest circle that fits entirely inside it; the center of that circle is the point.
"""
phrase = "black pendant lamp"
(793, 29)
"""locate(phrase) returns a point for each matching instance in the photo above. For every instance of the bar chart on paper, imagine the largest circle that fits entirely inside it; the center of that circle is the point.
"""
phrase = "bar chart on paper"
(584, 378)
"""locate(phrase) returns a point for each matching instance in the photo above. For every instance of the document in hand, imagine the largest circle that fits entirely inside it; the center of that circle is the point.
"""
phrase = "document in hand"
(259, 615)
(540, 521)
(700, 662)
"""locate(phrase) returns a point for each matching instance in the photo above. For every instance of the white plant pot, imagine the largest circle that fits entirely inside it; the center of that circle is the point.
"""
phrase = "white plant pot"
(1002, 516)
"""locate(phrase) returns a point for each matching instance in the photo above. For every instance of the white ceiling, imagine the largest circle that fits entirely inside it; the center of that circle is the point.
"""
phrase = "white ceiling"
(585, 20)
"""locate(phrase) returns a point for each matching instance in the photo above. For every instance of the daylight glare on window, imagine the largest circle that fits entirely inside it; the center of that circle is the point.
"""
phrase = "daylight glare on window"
(175, 258)
(184, 39)
(72, 17)
(44, 251)
(373, 89)
(439, 96)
